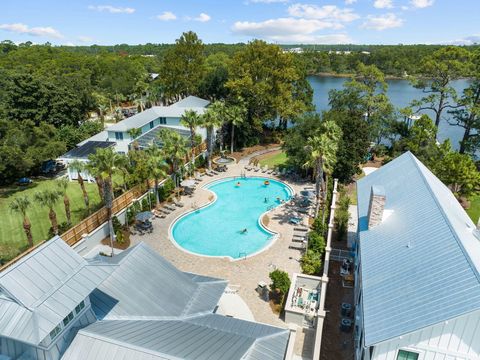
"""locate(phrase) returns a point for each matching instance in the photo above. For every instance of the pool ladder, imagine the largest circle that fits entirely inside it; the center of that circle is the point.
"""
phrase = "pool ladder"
(242, 255)
(243, 175)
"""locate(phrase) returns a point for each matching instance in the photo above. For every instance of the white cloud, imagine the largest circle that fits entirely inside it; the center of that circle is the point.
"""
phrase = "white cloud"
(202, 17)
(112, 9)
(166, 16)
(84, 39)
(20, 28)
(350, 2)
(282, 27)
(421, 3)
(382, 22)
(468, 40)
(268, 1)
(383, 4)
(330, 12)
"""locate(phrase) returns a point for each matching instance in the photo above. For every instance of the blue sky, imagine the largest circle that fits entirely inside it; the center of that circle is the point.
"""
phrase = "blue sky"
(282, 21)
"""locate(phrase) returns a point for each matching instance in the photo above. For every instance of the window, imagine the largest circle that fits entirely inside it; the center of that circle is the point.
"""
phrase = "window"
(79, 307)
(407, 355)
(67, 319)
(163, 120)
(55, 332)
(118, 135)
(151, 124)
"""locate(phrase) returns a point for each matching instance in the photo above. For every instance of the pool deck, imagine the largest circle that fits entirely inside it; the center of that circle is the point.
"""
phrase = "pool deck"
(242, 274)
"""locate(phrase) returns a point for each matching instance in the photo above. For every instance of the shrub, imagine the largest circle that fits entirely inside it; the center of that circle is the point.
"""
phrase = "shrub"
(316, 242)
(311, 262)
(145, 204)
(342, 215)
(318, 226)
(119, 236)
(280, 281)
(166, 189)
(117, 226)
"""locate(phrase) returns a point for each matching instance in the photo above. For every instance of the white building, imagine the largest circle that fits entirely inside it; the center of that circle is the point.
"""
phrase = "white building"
(417, 287)
(149, 121)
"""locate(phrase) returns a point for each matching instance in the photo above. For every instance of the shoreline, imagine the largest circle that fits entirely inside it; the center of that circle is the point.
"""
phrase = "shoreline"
(347, 75)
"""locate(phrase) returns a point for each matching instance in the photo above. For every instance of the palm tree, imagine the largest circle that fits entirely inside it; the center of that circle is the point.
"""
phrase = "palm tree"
(174, 149)
(322, 149)
(157, 167)
(103, 164)
(134, 134)
(191, 120)
(62, 188)
(48, 198)
(20, 205)
(212, 118)
(102, 109)
(236, 115)
(79, 166)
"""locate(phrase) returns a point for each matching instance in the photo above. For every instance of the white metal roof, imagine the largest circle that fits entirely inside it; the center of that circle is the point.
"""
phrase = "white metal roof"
(421, 265)
(173, 111)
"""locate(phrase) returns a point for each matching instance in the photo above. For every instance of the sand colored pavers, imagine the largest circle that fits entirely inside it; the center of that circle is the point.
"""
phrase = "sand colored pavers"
(245, 273)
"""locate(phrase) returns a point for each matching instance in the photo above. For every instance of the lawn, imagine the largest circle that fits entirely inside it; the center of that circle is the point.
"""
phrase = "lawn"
(474, 210)
(12, 236)
(273, 159)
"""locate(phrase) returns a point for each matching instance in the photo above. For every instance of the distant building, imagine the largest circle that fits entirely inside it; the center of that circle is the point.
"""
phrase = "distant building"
(55, 305)
(417, 289)
(297, 50)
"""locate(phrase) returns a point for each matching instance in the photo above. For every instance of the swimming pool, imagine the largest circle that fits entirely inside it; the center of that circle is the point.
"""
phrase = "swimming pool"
(218, 228)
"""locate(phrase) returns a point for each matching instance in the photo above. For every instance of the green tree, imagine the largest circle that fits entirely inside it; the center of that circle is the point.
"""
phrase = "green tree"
(212, 118)
(20, 205)
(62, 185)
(459, 173)
(438, 70)
(158, 167)
(134, 133)
(322, 149)
(182, 67)
(103, 165)
(174, 149)
(192, 120)
(467, 115)
(311, 262)
(235, 114)
(79, 167)
(280, 282)
(48, 198)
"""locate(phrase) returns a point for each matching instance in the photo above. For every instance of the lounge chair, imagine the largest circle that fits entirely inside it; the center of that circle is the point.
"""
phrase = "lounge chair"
(158, 214)
(179, 204)
(297, 246)
(171, 208)
(299, 240)
(295, 220)
(256, 169)
(165, 211)
(304, 229)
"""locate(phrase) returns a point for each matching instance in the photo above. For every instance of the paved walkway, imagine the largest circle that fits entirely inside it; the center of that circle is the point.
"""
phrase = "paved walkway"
(245, 273)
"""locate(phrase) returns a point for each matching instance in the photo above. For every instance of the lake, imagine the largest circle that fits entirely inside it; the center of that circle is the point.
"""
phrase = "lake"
(401, 93)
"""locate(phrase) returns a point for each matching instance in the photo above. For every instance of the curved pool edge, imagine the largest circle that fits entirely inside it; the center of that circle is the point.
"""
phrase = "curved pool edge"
(275, 235)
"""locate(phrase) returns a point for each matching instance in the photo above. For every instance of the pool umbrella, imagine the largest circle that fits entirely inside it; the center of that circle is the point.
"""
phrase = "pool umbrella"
(143, 216)
(187, 183)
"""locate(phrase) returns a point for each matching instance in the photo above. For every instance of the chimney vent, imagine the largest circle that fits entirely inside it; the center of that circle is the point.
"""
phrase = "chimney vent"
(376, 206)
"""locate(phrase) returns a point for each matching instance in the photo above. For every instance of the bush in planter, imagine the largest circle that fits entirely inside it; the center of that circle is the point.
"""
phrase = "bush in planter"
(119, 236)
(145, 204)
(166, 189)
(316, 242)
(280, 281)
(116, 224)
(311, 262)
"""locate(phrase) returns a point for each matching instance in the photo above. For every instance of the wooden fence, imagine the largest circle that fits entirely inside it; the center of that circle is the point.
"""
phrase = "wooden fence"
(74, 234)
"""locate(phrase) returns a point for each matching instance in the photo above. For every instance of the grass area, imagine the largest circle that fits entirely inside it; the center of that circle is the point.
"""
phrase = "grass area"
(12, 236)
(474, 210)
(273, 159)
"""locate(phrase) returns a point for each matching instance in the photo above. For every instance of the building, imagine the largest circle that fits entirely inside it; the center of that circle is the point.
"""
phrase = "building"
(150, 122)
(54, 304)
(417, 288)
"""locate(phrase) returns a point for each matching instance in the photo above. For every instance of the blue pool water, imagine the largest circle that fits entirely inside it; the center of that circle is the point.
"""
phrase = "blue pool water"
(216, 230)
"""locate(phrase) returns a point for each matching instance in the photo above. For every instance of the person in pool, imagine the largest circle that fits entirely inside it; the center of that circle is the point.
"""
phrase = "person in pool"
(244, 231)
(238, 183)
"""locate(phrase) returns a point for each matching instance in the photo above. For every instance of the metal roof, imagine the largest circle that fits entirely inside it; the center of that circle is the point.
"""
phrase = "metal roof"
(151, 136)
(206, 337)
(420, 266)
(39, 290)
(133, 291)
(86, 149)
(176, 111)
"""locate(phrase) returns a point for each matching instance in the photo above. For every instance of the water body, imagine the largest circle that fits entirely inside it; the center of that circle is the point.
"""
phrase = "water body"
(401, 93)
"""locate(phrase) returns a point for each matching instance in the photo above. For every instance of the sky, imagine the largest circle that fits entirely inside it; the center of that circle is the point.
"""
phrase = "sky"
(83, 22)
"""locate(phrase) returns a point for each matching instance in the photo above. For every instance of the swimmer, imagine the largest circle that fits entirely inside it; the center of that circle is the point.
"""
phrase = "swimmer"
(266, 200)
(244, 231)
(238, 183)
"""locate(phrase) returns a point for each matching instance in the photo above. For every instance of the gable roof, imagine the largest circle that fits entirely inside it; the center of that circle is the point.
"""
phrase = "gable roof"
(420, 266)
(175, 110)
(134, 291)
(39, 290)
(84, 150)
(206, 337)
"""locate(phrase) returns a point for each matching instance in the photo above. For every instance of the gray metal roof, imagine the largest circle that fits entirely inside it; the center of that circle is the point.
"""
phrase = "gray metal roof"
(135, 291)
(39, 290)
(173, 111)
(206, 337)
(90, 147)
(420, 266)
(151, 137)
